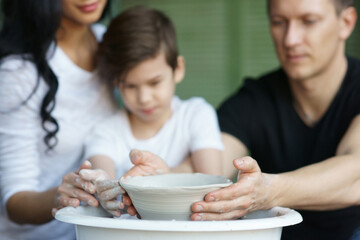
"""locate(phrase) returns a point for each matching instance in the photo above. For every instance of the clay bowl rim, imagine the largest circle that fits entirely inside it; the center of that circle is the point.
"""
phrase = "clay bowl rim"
(127, 183)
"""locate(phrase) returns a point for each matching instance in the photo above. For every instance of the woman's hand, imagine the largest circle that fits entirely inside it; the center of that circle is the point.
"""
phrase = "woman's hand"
(74, 189)
(248, 194)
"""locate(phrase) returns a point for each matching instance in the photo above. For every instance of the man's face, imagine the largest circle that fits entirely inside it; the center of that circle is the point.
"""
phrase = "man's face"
(306, 34)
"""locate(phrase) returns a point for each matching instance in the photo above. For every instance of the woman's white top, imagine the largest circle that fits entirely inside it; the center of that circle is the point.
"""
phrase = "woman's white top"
(25, 165)
(192, 126)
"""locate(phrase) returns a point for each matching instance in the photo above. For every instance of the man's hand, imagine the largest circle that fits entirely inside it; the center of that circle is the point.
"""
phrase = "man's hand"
(248, 194)
(74, 189)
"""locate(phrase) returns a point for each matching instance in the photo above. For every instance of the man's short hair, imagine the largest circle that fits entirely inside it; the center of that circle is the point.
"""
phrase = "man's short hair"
(340, 5)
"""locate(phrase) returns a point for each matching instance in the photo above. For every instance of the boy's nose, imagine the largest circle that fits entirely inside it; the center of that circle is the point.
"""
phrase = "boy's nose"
(144, 95)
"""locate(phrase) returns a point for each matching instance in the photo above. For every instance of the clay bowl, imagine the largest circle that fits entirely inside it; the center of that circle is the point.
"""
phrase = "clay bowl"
(170, 196)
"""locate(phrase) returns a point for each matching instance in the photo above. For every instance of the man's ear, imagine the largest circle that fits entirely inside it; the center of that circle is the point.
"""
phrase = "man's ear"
(348, 19)
(180, 69)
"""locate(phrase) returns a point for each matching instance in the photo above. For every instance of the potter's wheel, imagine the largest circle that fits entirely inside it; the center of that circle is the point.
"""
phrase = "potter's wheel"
(94, 223)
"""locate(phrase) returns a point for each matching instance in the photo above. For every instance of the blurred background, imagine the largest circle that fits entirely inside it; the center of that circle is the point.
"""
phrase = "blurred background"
(223, 41)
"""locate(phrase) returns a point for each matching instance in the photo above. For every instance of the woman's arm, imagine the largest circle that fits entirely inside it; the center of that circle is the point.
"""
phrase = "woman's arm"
(31, 207)
(20, 150)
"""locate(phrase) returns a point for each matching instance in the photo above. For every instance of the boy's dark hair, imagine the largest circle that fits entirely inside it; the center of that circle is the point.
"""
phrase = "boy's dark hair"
(137, 34)
(339, 5)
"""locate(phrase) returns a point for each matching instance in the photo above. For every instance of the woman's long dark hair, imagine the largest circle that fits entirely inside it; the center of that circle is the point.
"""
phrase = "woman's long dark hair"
(29, 28)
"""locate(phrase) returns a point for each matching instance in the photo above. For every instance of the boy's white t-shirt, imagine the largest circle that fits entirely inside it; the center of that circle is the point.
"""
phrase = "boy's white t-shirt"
(192, 126)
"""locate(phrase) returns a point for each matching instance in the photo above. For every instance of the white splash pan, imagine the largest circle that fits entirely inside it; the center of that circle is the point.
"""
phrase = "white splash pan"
(95, 224)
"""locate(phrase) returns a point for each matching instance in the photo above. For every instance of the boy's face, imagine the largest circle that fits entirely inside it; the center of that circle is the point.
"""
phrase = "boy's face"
(308, 35)
(148, 89)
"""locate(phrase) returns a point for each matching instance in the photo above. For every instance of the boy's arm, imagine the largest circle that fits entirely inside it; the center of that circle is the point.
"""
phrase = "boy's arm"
(213, 161)
(105, 163)
(234, 148)
(206, 144)
(185, 167)
(207, 161)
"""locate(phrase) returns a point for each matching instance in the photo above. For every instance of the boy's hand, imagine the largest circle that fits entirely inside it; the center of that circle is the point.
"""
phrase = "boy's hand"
(107, 193)
(146, 163)
(107, 189)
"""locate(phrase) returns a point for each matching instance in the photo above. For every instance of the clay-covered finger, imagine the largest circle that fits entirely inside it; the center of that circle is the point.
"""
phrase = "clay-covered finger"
(241, 203)
(236, 190)
(74, 180)
(85, 165)
(111, 193)
(218, 216)
(136, 171)
(68, 201)
(93, 174)
(79, 194)
(106, 184)
(246, 165)
(115, 213)
(113, 205)
(136, 157)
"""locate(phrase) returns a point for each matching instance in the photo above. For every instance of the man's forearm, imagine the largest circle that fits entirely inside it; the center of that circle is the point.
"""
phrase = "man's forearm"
(328, 185)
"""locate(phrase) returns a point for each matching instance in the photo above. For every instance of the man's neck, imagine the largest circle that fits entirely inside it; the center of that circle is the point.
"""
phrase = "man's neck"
(313, 96)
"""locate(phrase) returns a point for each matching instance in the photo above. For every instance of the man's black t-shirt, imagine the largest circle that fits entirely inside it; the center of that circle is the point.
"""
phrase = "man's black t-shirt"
(262, 116)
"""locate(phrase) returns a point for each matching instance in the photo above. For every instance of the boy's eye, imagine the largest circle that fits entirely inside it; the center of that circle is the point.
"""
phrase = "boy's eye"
(129, 86)
(154, 83)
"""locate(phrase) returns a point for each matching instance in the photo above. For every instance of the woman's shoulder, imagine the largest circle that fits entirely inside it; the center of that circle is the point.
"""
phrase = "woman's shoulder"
(16, 62)
(18, 70)
(18, 81)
